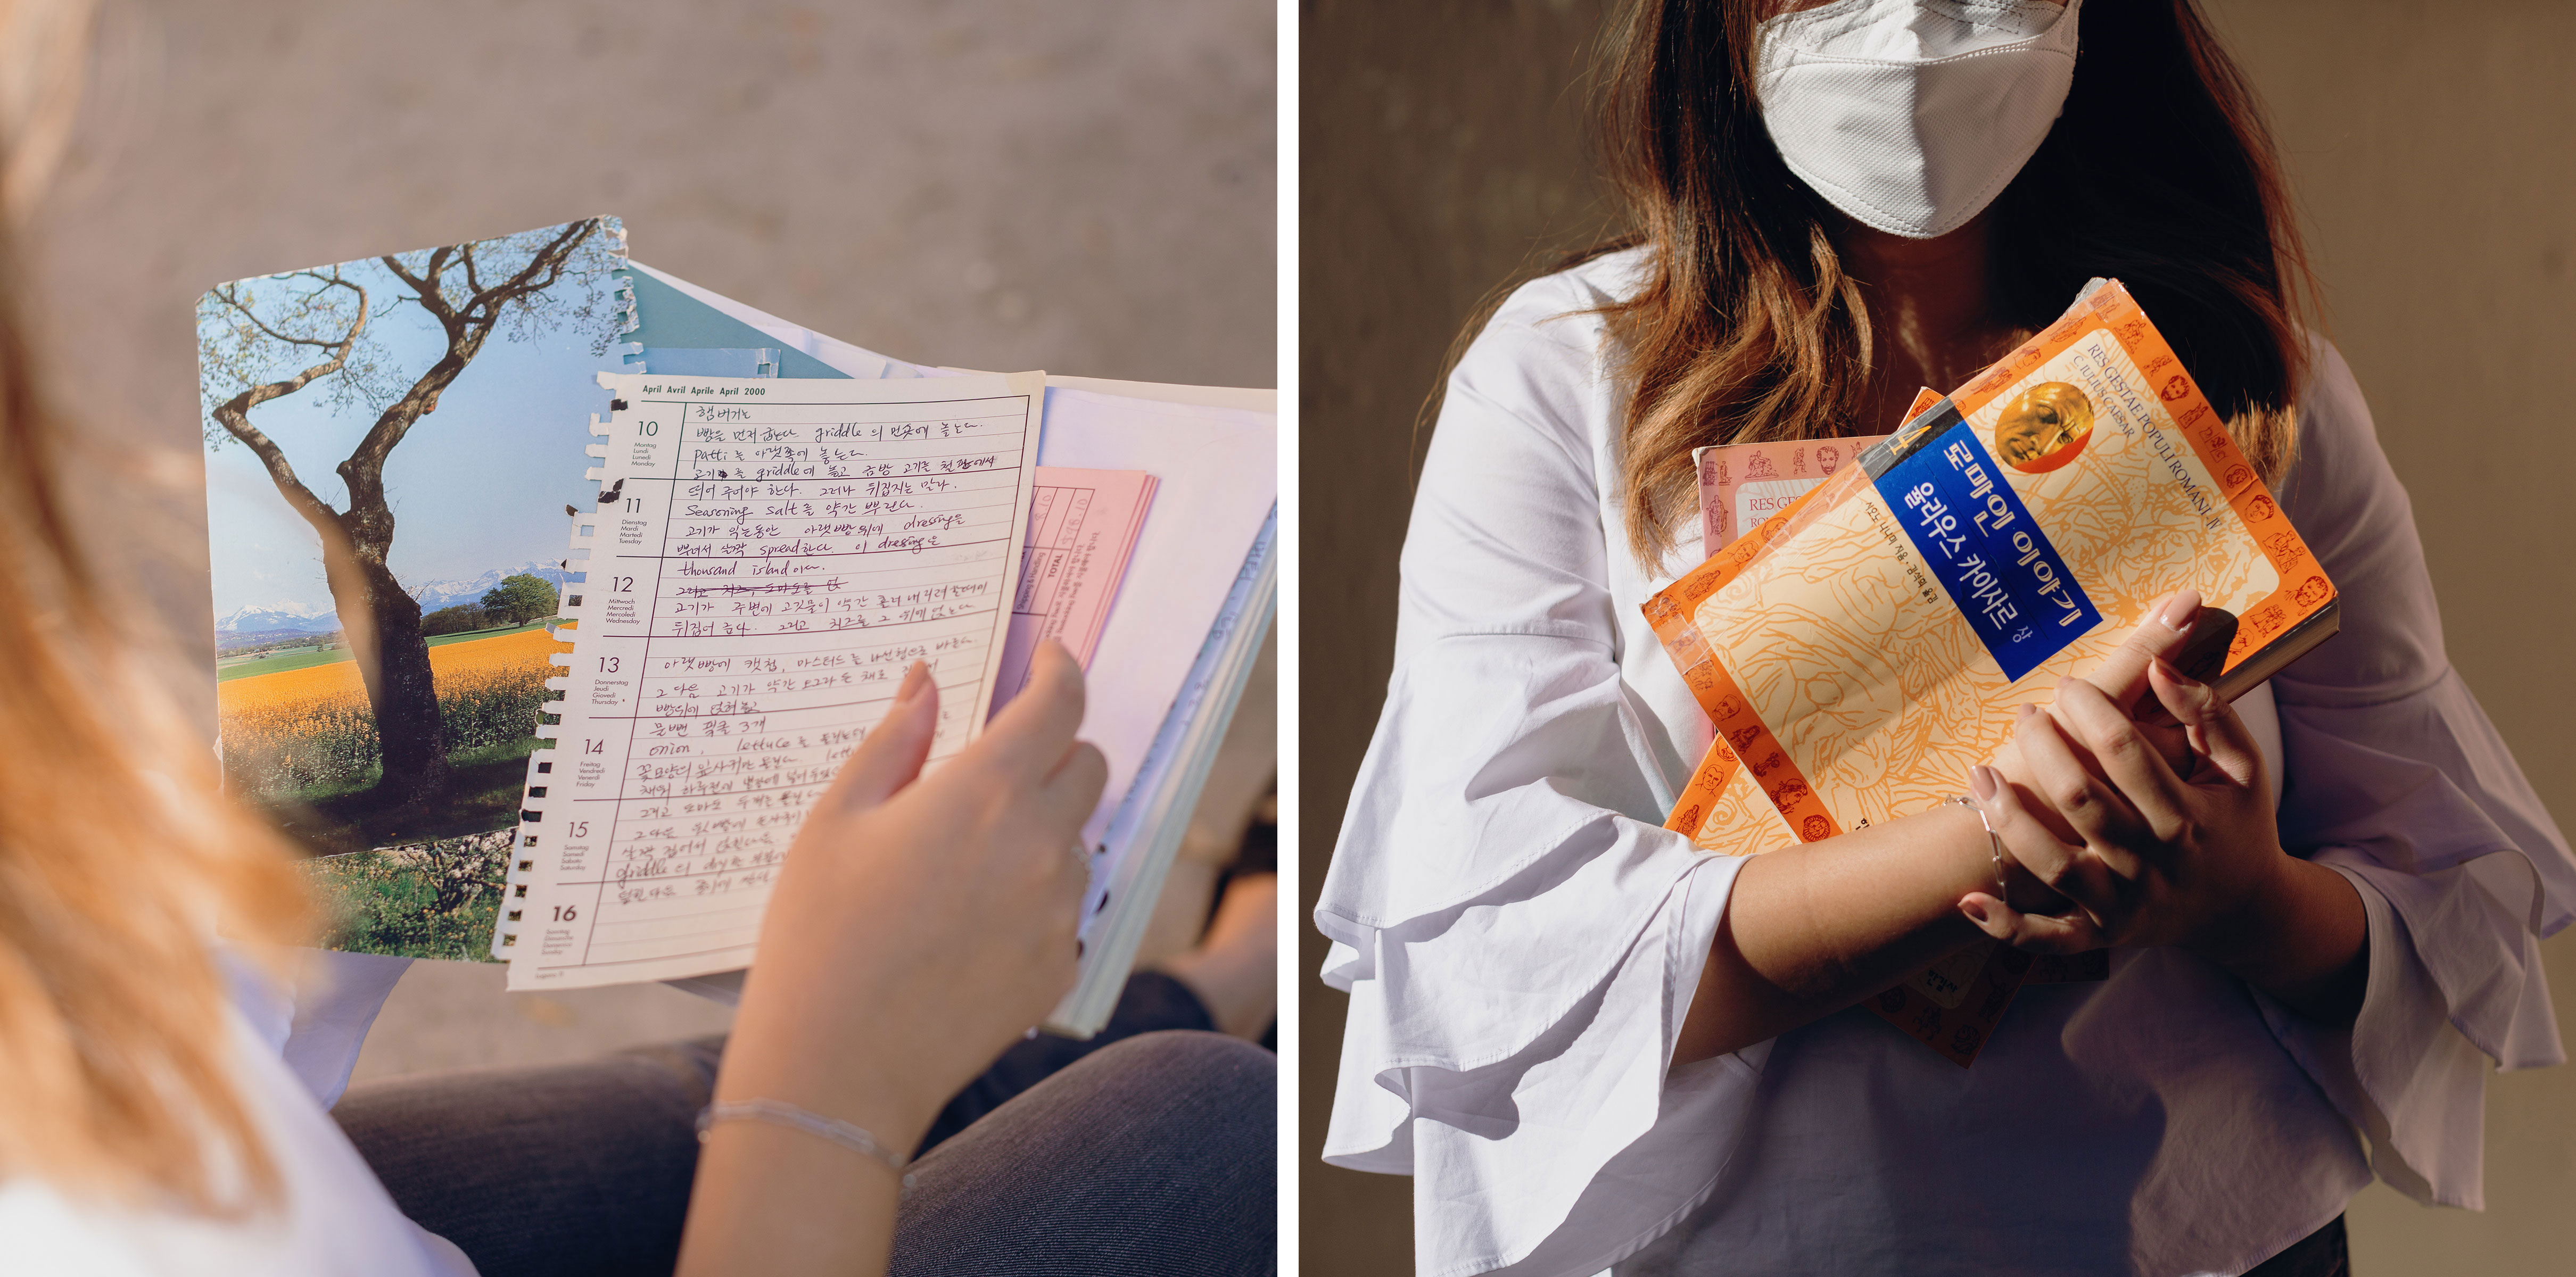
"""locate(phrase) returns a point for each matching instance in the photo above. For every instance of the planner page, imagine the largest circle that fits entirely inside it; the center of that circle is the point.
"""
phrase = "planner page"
(767, 558)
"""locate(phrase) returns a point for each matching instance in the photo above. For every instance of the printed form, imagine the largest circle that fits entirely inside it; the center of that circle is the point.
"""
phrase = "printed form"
(1082, 530)
(768, 558)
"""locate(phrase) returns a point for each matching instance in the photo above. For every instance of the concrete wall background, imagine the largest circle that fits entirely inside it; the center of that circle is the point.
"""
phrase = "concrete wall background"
(1089, 189)
(2433, 150)
(1442, 154)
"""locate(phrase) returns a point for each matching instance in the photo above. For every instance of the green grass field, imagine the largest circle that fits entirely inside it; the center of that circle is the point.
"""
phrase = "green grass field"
(399, 878)
(483, 795)
(431, 899)
(230, 668)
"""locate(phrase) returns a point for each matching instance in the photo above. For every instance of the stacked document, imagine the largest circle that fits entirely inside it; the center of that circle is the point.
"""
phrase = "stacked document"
(649, 569)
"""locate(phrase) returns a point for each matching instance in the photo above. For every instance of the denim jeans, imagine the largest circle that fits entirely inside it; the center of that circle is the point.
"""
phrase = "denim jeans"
(1151, 1149)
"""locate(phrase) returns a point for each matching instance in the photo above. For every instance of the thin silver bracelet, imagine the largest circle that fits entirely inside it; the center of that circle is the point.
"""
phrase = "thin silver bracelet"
(1994, 842)
(854, 1138)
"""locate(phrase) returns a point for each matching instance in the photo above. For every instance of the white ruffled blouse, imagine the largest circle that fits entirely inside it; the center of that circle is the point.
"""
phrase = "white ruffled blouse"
(1521, 939)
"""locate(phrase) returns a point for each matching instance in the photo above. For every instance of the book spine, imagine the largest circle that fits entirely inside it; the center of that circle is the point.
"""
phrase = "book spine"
(1146, 833)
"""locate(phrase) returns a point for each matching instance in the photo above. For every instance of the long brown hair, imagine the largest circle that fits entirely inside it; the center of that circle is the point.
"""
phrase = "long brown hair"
(2160, 173)
(119, 858)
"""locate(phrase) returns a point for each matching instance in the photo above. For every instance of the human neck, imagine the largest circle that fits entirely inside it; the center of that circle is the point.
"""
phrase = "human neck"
(1929, 316)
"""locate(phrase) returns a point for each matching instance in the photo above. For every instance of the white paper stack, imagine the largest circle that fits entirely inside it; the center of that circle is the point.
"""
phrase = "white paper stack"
(1181, 641)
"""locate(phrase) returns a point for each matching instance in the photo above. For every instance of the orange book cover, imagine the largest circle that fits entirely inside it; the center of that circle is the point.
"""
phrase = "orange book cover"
(1864, 647)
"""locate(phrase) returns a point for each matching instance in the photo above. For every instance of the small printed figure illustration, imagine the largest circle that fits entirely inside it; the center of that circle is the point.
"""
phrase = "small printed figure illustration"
(2044, 427)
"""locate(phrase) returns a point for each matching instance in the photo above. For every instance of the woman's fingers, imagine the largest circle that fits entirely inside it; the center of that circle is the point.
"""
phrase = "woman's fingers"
(2089, 806)
(2122, 675)
(1032, 733)
(2068, 869)
(1072, 791)
(1042, 765)
(2071, 932)
(1064, 802)
(2217, 733)
(2125, 755)
(891, 755)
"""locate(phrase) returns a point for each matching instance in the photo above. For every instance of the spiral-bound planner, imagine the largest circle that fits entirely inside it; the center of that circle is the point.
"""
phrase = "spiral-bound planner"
(511, 729)
(768, 557)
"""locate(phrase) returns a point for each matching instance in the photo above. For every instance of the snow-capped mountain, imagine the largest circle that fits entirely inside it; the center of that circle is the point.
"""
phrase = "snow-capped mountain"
(246, 620)
(438, 594)
(433, 595)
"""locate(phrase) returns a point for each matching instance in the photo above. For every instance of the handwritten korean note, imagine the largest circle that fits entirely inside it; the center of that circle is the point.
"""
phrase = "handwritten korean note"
(769, 556)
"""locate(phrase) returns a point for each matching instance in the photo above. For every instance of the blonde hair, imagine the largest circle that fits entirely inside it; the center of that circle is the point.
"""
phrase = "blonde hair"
(119, 857)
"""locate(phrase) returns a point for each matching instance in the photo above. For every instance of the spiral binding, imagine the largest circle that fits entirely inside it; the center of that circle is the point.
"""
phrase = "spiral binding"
(528, 842)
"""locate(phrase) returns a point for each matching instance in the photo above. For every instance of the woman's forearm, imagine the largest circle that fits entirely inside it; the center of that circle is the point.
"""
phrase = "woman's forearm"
(1811, 929)
(2305, 940)
(769, 1199)
(772, 1199)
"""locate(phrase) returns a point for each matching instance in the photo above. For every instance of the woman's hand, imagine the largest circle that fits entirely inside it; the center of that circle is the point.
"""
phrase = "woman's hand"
(2165, 836)
(920, 925)
(2148, 855)
(1810, 929)
(2171, 634)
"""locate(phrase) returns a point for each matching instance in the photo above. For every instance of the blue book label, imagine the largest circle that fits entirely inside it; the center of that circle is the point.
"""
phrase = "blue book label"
(1976, 536)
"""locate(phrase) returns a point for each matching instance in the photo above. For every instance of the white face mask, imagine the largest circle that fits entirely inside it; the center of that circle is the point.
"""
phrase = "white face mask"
(1912, 115)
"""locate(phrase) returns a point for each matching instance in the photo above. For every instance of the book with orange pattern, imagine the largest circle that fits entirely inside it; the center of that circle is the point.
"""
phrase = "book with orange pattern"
(1863, 648)
(1741, 484)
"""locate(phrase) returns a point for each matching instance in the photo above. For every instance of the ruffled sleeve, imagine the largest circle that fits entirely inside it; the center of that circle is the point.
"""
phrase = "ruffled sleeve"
(2395, 779)
(318, 1022)
(1518, 933)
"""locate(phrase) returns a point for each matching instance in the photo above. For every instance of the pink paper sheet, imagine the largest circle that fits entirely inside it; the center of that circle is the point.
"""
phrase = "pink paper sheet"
(1082, 530)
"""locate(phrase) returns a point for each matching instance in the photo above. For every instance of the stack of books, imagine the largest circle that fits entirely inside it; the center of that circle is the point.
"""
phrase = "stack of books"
(1870, 639)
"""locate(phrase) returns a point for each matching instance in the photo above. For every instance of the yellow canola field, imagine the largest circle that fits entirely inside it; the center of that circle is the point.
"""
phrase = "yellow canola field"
(516, 653)
(297, 728)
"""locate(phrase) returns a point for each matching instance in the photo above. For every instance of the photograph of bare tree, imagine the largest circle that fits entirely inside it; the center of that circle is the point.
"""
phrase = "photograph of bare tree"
(393, 446)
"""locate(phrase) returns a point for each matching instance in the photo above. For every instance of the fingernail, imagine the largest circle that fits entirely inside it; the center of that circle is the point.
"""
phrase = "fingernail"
(2184, 610)
(1981, 782)
(914, 679)
(1975, 911)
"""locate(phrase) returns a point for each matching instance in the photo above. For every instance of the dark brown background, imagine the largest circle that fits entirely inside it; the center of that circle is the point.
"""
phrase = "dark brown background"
(2430, 147)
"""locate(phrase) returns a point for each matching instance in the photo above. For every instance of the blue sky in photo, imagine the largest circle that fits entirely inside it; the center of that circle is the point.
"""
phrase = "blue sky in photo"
(478, 484)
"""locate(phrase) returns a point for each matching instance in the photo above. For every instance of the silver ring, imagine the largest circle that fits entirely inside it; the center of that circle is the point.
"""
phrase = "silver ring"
(1081, 857)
